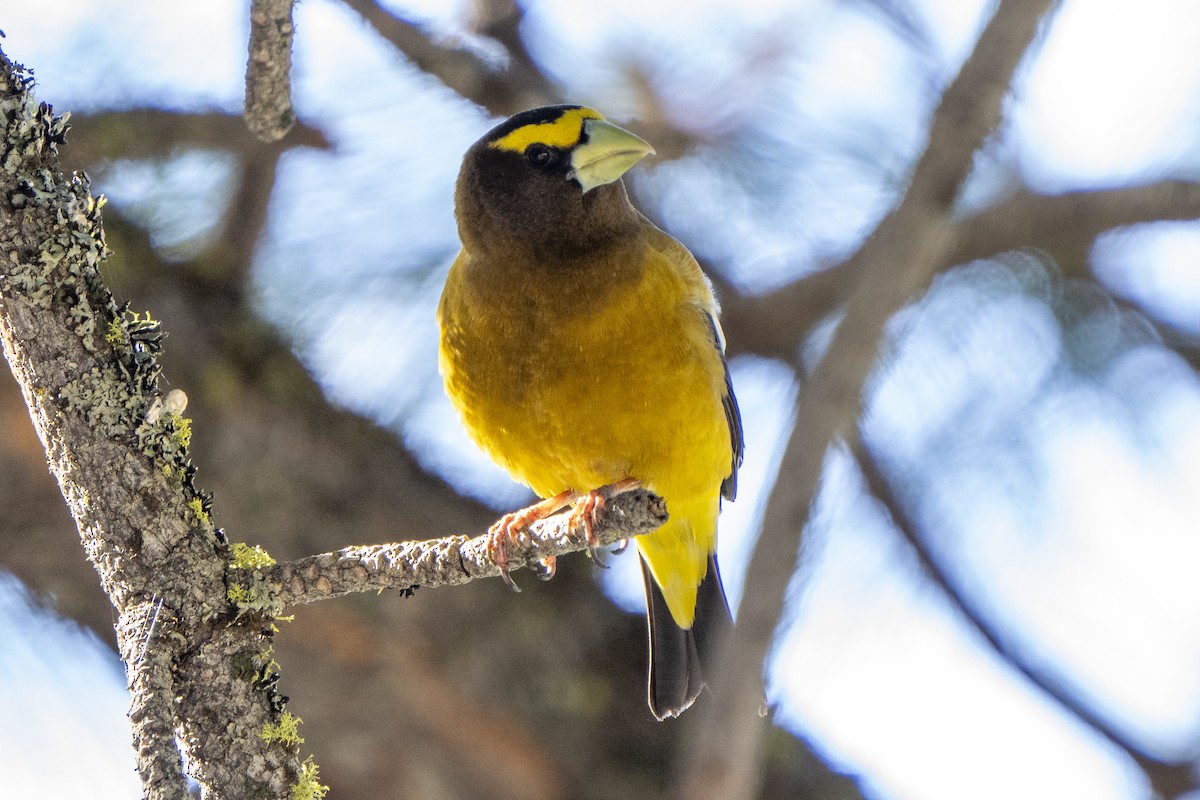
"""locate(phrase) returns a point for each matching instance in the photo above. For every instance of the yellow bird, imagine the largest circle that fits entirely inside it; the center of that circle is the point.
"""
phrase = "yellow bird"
(581, 348)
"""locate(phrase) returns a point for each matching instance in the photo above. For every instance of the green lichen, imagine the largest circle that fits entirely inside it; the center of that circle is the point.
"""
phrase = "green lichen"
(106, 403)
(183, 432)
(115, 336)
(165, 435)
(243, 556)
(32, 285)
(247, 591)
(239, 595)
(286, 731)
(257, 666)
(196, 506)
(309, 787)
(257, 597)
(253, 597)
(60, 213)
(117, 401)
(266, 670)
(84, 322)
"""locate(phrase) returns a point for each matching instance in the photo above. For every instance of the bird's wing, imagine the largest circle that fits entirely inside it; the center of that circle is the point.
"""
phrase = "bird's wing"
(733, 416)
(679, 257)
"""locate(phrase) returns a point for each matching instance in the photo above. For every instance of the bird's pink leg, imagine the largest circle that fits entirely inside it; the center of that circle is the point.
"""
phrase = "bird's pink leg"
(587, 511)
(505, 531)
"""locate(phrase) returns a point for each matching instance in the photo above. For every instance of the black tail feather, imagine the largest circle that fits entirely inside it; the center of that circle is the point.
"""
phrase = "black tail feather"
(713, 620)
(677, 654)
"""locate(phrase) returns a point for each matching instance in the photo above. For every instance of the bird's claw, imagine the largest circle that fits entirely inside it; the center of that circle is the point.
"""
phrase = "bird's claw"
(587, 513)
(500, 536)
(507, 530)
(545, 568)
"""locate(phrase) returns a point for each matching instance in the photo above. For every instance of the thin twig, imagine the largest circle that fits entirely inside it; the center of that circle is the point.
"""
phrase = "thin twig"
(452, 560)
(268, 111)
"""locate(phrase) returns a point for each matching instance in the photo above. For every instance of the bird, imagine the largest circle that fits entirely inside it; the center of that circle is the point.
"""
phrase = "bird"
(581, 348)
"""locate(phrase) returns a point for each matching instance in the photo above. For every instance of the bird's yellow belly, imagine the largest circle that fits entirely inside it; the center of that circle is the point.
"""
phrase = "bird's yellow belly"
(578, 401)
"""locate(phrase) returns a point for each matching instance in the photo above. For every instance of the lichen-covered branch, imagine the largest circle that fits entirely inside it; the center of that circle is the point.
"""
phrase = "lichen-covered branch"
(268, 110)
(446, 561)
(89, 375)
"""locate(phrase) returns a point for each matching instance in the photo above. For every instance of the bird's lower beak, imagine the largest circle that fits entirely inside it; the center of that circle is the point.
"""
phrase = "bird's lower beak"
(605, 154)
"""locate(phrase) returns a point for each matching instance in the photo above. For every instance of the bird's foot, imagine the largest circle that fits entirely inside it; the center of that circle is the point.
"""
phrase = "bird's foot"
(506, 532)
(587, 513)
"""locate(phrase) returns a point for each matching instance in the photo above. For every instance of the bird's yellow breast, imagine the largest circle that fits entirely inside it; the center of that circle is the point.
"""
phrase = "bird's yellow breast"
(576, 377)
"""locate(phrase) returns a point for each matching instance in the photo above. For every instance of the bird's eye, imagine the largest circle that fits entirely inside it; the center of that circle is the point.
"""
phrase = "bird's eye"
(539, 155)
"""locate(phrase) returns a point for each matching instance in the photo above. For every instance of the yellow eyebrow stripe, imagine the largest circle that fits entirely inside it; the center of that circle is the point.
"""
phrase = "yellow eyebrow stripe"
(562, 132)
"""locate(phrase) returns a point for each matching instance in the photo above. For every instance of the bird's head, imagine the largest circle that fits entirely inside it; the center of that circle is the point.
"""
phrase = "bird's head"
(548, 179)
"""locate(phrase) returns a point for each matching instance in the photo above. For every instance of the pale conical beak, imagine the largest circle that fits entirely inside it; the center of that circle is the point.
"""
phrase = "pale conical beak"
(606, 154)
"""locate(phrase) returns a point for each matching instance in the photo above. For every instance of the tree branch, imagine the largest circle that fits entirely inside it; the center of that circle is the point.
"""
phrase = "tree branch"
(1169, 779)
(149, 646)
(89, 376)
(133, 133)
(502, 90)
(897, 262)
(268, 108)
(450, 560)
(775, 325)
(1071, 220)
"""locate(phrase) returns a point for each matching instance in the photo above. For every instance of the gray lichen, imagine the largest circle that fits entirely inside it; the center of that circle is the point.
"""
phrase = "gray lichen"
(106, 404)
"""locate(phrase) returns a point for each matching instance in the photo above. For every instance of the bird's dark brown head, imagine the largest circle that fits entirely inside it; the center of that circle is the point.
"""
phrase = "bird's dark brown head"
(546, 184)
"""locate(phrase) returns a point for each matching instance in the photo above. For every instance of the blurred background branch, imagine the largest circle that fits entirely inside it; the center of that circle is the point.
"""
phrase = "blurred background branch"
(504, 85)
(897, 261)
(1170, 779)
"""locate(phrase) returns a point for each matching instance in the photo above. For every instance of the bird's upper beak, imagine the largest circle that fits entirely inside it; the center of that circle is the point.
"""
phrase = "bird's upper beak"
(605, 153)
